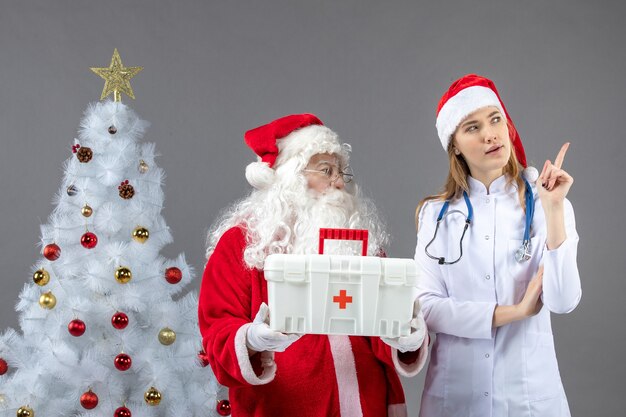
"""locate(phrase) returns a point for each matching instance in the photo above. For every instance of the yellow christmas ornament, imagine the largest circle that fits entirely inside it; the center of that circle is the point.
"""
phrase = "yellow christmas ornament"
(141, 234)
(47, 300)
(123, 275)
(25, 411)
(143, 166)
(167, 336)
(86, 210)
(152, 396)
(41, 277)
(117, 78)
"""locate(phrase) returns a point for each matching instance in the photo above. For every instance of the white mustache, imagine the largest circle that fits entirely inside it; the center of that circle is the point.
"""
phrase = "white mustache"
(337, 198)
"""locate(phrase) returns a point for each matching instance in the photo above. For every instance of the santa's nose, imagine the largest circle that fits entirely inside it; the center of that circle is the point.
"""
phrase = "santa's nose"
(339, 183)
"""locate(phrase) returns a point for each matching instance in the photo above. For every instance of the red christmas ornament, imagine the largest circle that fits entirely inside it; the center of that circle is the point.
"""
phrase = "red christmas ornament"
(52, 252)
(119, 320)
(122, 412)
(89, 240)
(76, 327)
(204, 358)
(123, 362)
(89, 400)
(75, 148)
(173, 275)
(223, 408)
(4, 367)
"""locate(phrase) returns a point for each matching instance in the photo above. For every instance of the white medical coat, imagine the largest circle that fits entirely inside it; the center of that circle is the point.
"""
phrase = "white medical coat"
(476, 370)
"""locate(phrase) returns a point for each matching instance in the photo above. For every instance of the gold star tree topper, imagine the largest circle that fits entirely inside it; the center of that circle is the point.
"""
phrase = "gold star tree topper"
(117, 78)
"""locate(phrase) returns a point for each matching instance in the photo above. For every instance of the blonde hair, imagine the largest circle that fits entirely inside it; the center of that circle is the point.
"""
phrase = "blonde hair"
(456, 182)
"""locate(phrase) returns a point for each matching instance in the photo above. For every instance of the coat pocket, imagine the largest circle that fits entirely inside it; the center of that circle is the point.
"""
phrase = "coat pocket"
(551, 407)
(523, 270)
(542, 371)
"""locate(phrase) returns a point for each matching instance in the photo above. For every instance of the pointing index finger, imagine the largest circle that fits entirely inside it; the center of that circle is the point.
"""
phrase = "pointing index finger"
(561, 156)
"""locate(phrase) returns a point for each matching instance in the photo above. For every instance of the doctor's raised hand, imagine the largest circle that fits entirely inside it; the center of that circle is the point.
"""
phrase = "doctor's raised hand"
(554, 182)
(553, 185)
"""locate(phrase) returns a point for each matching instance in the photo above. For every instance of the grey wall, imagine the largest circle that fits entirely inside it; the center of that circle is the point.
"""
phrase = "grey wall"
(374, 73)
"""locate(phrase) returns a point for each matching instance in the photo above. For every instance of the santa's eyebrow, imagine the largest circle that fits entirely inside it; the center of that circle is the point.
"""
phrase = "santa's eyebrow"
(332, 163)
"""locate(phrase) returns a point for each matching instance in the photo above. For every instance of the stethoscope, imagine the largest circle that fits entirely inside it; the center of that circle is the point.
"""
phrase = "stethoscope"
(521, 255)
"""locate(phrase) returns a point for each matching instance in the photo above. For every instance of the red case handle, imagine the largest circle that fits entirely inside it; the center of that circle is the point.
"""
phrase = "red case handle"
(344, 234)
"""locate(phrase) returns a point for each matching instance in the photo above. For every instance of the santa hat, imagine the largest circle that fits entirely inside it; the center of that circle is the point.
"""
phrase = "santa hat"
(466, 95)
(276, 142)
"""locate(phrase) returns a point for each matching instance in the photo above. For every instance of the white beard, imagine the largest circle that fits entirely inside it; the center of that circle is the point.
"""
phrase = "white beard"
(333, 209)
(286, 218)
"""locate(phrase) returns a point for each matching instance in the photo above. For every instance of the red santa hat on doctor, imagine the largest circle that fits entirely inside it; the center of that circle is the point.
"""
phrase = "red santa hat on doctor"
(466, 95)
(296, 135)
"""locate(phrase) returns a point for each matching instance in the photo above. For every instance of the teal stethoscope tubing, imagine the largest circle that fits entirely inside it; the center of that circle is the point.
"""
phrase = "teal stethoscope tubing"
(521, 255)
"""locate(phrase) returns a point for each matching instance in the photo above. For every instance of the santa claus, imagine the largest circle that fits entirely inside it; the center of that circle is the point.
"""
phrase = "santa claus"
(302, 182)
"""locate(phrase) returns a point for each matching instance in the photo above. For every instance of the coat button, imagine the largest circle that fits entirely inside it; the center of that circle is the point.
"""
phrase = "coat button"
(486, 394)
(486, 237)
(486, 355)
(487, 200)
(487, 277)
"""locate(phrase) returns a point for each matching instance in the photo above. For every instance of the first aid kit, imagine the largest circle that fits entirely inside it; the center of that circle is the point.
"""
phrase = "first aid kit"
(341, 294)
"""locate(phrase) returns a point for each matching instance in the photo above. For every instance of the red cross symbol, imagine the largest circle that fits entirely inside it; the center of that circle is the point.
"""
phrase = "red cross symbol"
(342, 299)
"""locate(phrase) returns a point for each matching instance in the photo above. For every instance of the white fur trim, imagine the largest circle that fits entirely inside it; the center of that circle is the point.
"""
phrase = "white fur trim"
(531, 174)
(397, 410)
(309, 141)
(260, 175)
(345, 371)
(243, 358)
(412, 369)
(462, 105)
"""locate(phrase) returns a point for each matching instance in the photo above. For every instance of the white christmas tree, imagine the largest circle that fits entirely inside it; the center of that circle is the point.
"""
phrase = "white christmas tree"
(106, 330)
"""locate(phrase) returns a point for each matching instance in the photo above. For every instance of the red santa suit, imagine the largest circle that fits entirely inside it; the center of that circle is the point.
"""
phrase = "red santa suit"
(316, 376)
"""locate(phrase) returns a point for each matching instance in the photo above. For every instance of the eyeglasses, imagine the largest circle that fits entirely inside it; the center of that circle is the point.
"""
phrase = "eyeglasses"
(333, 173)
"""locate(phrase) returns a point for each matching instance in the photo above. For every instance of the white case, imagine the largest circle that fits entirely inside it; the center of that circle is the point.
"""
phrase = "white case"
(340, 294)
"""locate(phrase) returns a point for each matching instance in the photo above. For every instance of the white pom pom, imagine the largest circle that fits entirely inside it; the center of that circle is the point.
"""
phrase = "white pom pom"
(260, 175)
(531, 174)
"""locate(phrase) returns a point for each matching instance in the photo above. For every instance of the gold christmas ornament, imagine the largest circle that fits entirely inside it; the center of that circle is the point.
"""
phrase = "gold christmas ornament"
(117, 78)
(47, 300)
(143, 166)
(141, 234)
(41, 277)
(152, 396)
(86, 210)
(25, 411)
(123, 275)
(167, 336)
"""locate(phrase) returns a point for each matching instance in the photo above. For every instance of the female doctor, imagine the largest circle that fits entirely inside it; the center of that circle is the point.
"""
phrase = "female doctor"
(498, 255)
